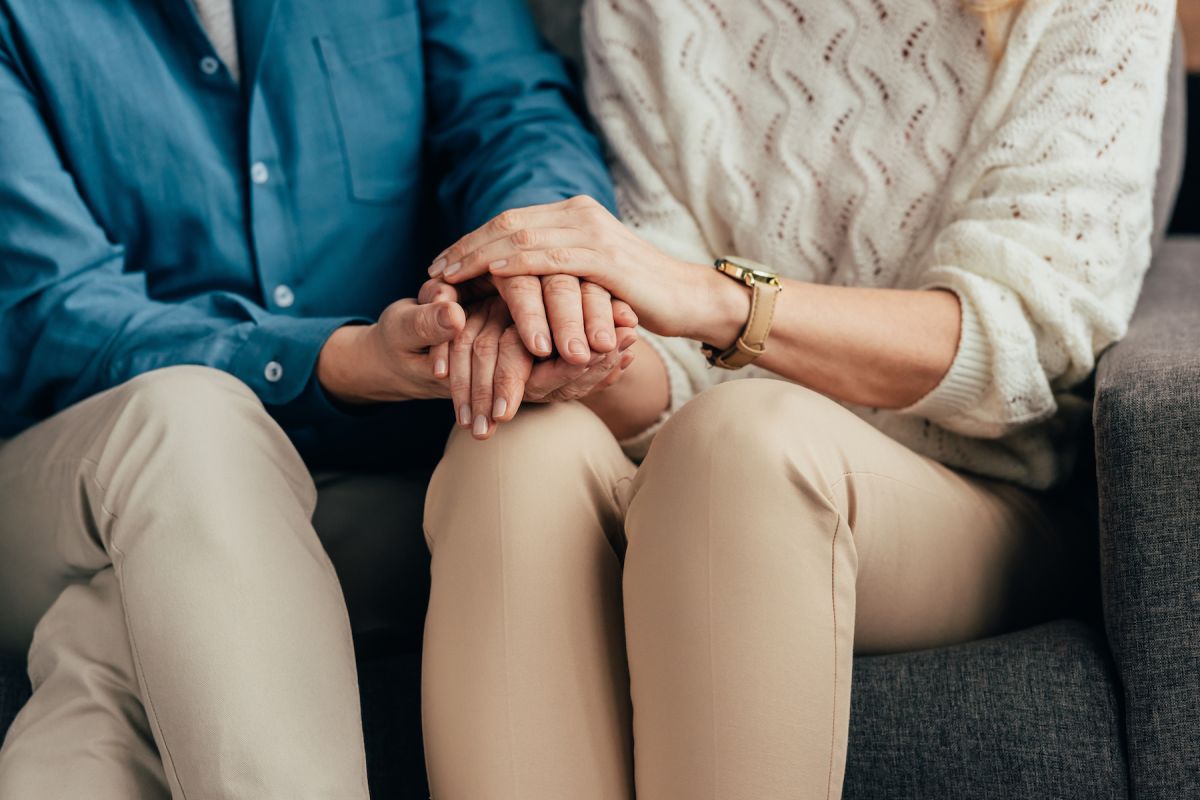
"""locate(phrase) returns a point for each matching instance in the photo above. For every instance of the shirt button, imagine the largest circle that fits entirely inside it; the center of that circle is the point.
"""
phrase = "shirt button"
(259, 173)
(274, 372)
(284, 296)
(209, 65)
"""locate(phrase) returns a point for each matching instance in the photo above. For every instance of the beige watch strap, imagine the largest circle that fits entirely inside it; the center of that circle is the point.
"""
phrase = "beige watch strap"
(753, 341)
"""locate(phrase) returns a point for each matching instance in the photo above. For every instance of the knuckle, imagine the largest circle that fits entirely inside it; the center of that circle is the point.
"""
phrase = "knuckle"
(558, 256)
(561, 284)
(506, 221)
(463, 345)
(508, 385)
(594, 290)
(485, 347)
(524, 238)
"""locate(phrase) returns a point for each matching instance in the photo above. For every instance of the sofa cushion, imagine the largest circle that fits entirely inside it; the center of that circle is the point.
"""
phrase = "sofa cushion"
(1030, 714)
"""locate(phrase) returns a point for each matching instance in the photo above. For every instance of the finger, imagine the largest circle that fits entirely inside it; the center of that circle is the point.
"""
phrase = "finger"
(626, 338)
(513, 368)
(587, 383)
(508, 223)
(581, 262)
(550, 376)
(477, 262)
(598, 318)
(484, 352)
(439, 357)
(623, 314)
(421, 327)
(437, 291)
(615, 376)
(564, 308)
(460, 368)
(523, 295)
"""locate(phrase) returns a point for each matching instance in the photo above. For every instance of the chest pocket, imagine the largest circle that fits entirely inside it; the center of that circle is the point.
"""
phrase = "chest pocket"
(376, 85)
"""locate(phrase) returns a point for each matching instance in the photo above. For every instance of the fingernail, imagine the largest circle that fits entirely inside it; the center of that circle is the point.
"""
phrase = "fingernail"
(577, 347)
(444, 318)
(438, 268)
(464, 416)
(495, 265)
(604, 337)
(481, 425)
(542, 343)
(629, 344)
(500, 406)
(453, 268)
(626, 360)
(439, 368)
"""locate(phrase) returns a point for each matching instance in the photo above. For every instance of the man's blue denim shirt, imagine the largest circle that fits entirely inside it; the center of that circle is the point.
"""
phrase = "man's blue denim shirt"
(154, 212)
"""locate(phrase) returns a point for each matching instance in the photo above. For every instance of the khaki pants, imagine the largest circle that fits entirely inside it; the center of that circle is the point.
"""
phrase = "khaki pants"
(189, 635)
(703, 650)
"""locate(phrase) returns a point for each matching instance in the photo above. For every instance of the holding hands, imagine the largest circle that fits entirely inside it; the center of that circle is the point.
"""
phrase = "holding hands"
(524, 309)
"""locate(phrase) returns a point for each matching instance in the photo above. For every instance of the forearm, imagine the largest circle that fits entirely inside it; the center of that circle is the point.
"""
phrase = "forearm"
(881, 348)
(639, 399)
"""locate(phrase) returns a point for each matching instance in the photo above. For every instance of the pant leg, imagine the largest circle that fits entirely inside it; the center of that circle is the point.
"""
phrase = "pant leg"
(182, 483)
(771, 533)
(525, 693)
(84, 731)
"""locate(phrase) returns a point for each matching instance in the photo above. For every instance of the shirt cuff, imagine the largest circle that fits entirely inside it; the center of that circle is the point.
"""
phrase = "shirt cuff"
(969, 375)
(278, 361)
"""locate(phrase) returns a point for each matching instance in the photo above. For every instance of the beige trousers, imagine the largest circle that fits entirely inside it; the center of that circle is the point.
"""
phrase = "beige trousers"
(771, 534)
(189, 635)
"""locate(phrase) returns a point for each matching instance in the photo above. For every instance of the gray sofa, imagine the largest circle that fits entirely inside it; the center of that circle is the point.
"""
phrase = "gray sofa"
(1104, 703)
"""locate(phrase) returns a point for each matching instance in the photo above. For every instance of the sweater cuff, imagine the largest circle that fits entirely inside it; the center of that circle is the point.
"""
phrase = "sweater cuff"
(680, 388)
(970, 373)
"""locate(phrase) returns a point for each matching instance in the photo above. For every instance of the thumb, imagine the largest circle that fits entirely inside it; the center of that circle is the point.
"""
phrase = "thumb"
(429, 325)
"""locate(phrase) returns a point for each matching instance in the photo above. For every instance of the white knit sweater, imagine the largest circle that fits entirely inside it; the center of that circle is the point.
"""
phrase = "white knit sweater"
(873, 143)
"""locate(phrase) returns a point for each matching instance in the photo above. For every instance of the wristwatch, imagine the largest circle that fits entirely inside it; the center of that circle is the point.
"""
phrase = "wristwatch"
(765, 288)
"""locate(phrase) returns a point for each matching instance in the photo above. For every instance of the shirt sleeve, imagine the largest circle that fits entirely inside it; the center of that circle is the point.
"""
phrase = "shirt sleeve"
(1048, 246)
(76, 317)
(507, 125)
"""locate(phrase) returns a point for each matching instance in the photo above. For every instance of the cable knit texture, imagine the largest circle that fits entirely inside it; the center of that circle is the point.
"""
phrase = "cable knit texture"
(873, 143)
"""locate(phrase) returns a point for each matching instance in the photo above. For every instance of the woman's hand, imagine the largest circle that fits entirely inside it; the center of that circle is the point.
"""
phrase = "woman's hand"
(580, 237)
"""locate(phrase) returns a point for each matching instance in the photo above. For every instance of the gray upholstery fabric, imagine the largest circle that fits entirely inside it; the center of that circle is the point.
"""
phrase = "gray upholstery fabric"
(1147, 421)
(1031, 714)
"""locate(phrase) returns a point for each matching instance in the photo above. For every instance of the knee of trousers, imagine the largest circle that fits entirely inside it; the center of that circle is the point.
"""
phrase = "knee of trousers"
(744, 444)
(197, 429)
(550, 461)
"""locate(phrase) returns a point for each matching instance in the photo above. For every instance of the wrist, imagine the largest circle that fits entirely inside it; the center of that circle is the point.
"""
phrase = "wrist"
(349, 369)
(725, 309)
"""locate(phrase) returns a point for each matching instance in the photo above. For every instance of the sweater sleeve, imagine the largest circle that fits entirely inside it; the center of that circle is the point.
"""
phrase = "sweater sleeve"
(1049, 242)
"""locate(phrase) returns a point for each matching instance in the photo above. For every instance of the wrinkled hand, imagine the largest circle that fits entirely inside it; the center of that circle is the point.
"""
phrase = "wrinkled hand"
(490, 371)
(580, 237)
(389, 361)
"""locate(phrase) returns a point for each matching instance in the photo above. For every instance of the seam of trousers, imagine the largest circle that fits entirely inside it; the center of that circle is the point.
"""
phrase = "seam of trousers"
(712, 672)
(118, 570)
(833, 603)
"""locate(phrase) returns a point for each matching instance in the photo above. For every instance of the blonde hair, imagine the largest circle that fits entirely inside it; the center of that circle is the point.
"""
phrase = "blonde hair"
(994, 14)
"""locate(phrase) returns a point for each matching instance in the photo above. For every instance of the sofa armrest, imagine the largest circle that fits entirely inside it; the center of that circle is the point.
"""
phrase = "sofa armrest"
(1147, 422)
